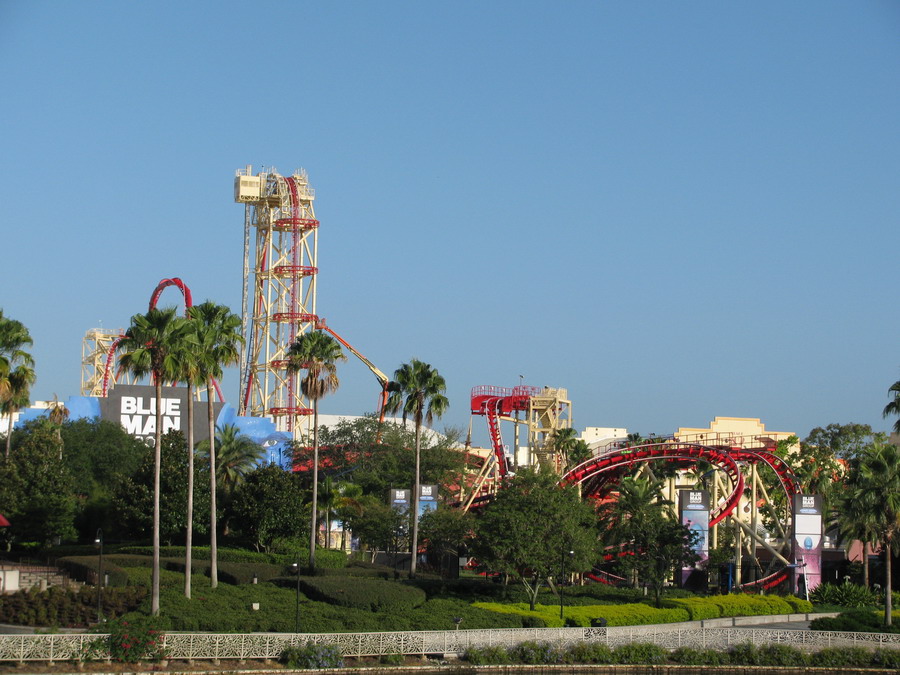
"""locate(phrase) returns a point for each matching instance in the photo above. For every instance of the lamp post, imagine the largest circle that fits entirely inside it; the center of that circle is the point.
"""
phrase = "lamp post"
(561, 577)
(296, 567)
(98, 541)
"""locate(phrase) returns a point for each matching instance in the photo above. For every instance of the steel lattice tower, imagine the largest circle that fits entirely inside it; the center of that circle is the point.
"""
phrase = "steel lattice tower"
(279, 298)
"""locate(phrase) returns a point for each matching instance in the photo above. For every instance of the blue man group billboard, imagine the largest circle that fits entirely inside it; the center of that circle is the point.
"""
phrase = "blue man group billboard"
(693, 506)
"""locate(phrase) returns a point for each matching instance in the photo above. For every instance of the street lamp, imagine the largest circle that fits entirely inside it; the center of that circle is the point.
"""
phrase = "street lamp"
(561, 577)
(98, 541)
(296, 567)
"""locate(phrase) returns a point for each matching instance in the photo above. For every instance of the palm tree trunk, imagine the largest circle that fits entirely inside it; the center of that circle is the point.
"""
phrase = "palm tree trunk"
(414, 548)
(9, 433)
(315, 488)
(888, 599)
(213, 545)
(157, 461)
(865, 562)
(189, 536)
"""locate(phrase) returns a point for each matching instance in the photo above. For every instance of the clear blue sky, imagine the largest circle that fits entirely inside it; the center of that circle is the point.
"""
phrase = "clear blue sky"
(674, 210)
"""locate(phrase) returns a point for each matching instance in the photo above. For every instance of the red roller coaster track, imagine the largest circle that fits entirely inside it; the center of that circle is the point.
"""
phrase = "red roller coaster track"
(154, 298)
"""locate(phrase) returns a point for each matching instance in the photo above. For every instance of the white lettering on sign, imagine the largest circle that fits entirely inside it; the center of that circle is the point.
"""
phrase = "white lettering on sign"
(809, 502)
(696, 497)
(138, 415)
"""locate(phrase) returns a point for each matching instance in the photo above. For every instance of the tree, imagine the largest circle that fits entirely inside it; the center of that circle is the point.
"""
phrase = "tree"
(877, 485)
(530, 525)
(317, 353)
(893, 408)
(149, 348)
(445, 530)
(843, 441)
(135, 495)
(18, 392)
(217, 331)
(236, 456)
(36, 489)
(266, 507)
(377, 524)
(187, 364)
(420, 394)
(16, 369)
(347, 505)
(638, 526)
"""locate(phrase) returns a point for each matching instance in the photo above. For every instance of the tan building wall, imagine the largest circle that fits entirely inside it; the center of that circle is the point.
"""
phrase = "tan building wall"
(737, 431)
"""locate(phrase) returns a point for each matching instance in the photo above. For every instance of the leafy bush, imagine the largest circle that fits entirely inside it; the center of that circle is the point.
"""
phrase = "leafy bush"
(371, 594)
(799, 605)
(615, 615)
(841, 657)
(57, 606)
(325, 558)
(688, 656)
(130, 642)
(843, 595)
(487, 656)
(744, 655)
(392, 659)
(312, 657)
(588, 652)
(639, 653)
(536, 653)
(856, 621)
(886, 658)
(781, 655)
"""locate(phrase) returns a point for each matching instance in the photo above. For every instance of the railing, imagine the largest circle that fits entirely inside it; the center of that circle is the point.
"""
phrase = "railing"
(213, 647)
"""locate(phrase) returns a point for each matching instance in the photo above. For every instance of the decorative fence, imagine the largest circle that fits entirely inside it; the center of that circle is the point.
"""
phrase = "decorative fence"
(243, 646)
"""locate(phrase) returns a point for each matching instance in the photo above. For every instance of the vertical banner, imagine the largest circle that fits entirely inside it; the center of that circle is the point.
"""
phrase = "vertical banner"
(428, 495)
(807, 543)
(693, 507)
(399, 500)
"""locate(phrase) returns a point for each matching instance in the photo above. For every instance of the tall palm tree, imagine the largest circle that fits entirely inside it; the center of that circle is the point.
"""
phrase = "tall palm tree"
(16, 369)
(420, 395)
(893, 408)
(149, 348)
(878, 486)
(218, 332)
(187, 357)
(317, 353)
(236, 456)
(58, 413)
(18, 390)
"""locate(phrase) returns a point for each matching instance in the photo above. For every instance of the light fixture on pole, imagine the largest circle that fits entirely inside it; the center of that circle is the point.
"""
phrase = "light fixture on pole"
(296, 567)
(98, 542)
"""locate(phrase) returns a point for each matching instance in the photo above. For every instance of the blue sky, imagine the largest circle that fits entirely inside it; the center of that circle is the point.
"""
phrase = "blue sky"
(674, 210)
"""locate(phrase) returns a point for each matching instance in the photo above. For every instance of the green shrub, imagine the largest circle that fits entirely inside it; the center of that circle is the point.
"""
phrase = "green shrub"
(312, 657)
(536, 653)
(57, 606)
(133, 641)
(843, 595)
(744, 655)
(392, 659)
(372, 594)
(87, 567)
(639, 653)
(487, 656)
(781, 655)
(688, 656)
(798, 605)
(856, 621)
(588, 652)
(841, 657)
(886, 658)
(615, 615)
(697, 608)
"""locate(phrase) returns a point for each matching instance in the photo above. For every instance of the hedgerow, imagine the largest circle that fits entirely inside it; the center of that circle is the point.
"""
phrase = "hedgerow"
(615, 615)
(57, 606)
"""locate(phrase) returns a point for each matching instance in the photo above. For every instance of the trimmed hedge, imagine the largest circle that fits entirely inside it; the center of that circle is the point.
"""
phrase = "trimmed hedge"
(325, 558)
(86, 568)
(363, 593)
(858, 621)
(616, 615)
(66, 607)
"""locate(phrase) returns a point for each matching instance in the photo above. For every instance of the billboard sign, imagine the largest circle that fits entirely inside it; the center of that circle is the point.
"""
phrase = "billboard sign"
(428, 495)
(133, 406)
(807, 542)
(693, 508)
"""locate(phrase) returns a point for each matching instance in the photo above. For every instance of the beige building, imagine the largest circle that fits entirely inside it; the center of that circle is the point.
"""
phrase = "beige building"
(743, 432)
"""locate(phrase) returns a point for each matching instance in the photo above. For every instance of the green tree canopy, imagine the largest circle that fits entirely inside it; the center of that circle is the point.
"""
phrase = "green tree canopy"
(530, 525)
(269, 505)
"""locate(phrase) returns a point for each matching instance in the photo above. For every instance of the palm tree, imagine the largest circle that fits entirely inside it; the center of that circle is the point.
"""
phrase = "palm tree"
(348, 505)
(236, 456)
(18, 389)
(188, 368)
(893, 408)
(16, 369)
(217, 330)
(317, 353)
(878, 486)
(420, 394)
(149, 348)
